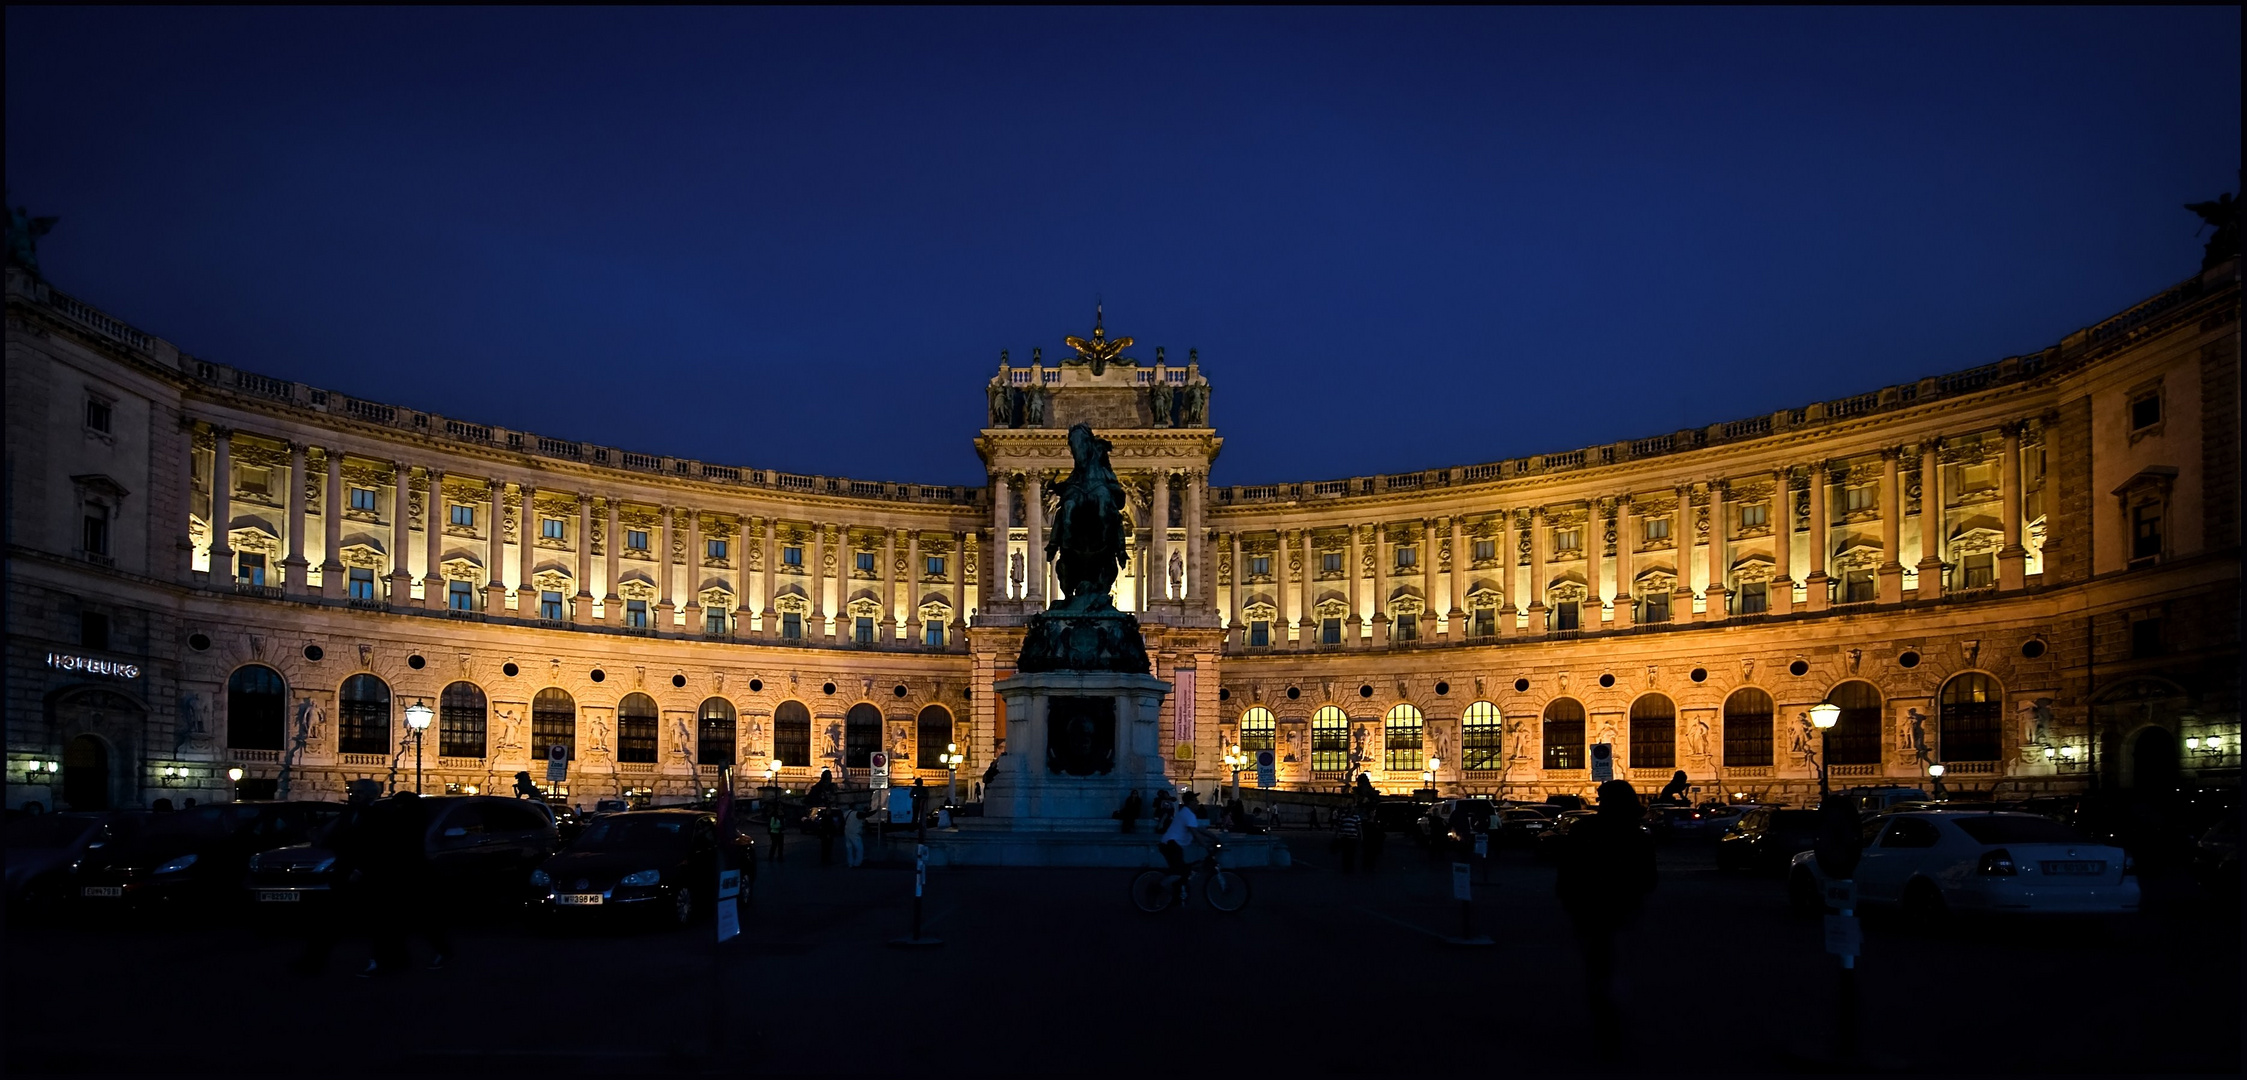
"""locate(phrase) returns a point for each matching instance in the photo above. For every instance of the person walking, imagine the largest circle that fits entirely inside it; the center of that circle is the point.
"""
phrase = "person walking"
(1376, 837)
(346, 838)
(399, 890)
(854, 838)
(1346, 830)
(1606, 872)
(1129, 815)
(776, 828)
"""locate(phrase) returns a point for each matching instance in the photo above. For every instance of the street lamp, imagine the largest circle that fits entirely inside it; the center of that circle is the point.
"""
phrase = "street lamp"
(234, 776)
(952, 759)
(1236, 760)
(1824, 716)
(1935, 773)
(418, 716)
(1428, 775)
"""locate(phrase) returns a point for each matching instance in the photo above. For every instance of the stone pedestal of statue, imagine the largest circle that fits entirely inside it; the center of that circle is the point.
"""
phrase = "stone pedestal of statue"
(1077, 743)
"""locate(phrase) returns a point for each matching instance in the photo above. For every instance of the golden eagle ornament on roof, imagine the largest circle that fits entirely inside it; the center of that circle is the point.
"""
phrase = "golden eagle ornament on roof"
(1098, 350)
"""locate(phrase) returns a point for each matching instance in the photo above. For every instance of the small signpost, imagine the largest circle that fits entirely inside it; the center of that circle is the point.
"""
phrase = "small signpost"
(920, 874)
(1603, 762)
(729, 904)
(1463, 890)
(1267, 771)
(557, 763)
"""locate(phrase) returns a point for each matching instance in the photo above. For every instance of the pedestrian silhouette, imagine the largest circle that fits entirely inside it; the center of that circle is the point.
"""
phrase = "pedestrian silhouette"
(854, 838)
(1674, 791)
(399, 889)
(347, 839)
(1375, 837)
(1606, 871)
(826, 835)
(1129, 814)
(1347, 828)
(776, 826)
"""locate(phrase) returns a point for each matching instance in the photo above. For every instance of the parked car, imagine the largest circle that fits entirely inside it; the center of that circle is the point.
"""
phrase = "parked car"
(197, 856)
(1520, 826)
(1398, 816)
(1766, 838)
(1441, 823)
(1561, 804)
(45, 852)
(658, 863)
(479, 849)
(1878, 798)
(1934, 862)
(1681, 823)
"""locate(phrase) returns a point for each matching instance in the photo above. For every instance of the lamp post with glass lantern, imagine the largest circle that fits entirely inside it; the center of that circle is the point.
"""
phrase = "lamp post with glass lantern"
(1428, 775)
(418, 716)
(952, 759)
(234, 780)
(1236, 761)
(1824, 716)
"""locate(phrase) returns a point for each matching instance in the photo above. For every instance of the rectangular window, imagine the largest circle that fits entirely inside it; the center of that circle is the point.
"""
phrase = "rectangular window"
(1259, 632)
(254, 481)
(934, 566)
(2145, 412)
(1754, 514)
(1486, 550)
(97, 415)
(1330, 631)
(1755, 598)
(362, 583)
(93, 630)
(791, 556)
(791, 626)
(464, 516)
(1566, 615)
(1856, 586)
(932, 634)
(636, 540)
(1486, 622)
(636, 613)
(1407, 628)
(2145, 531)
(460, 596)
(1978, 570)
(1407, 555)
(249, 568)
(1260, 566)
(1568, 539)
(1657, 528)
(865, 562)
(1861, 498)
(2145, 639)
(550, 606)
(713, 549)
(862, 630)
(1330, 741)
(1655, 607)
(714, 621)
(97, 535)
(550, 528)
(1330, 562)
(1401, 745)
(364, 499)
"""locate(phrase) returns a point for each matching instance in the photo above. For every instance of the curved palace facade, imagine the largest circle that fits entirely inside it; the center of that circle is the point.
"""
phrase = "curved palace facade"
(2026, 572)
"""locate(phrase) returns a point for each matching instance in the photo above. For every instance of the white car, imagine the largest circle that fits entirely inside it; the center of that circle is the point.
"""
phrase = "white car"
(1936, 861)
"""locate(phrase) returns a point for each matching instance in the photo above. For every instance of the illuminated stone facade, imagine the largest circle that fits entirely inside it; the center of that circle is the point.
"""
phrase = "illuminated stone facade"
(2018, 570)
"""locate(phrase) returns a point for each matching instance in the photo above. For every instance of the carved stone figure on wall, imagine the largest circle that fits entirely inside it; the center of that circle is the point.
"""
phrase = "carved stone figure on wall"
(997, 394)
(193, 731)
(312, 724)
(1034, 401)
(1197, 405)
(1158, 403)
(1918, 728)
(1805, 743)
(1521, 741)
(1607, 733)
(2036, 723)
(510, 740)
(1701, 738)
(1177, 573)
(600, 732)
(1014, 572)
(683, 736)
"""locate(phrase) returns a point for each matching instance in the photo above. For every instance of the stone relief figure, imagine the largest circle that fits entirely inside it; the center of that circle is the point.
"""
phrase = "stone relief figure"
(997, 394)
(1177, 573)
(510, 740)
(1197, 405)
(600, 731)
(1014, 572)
(1701, 738)
(1917, 722)
(1521, 741)
(684, 738)
(193, 731)
(1607, 733)
(1158, 403)
(1035, 402)
(1805, 744)
(2036, 723)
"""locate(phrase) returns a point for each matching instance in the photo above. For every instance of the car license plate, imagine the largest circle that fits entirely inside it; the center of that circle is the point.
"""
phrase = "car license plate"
(577, 899)
(279, 896)
(101, 890)
(2076, 866)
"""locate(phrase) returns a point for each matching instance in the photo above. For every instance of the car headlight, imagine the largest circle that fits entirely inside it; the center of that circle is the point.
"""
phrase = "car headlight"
(176, 865)
(324, 865)
(538, 877)
(644, 877)
(255, 860)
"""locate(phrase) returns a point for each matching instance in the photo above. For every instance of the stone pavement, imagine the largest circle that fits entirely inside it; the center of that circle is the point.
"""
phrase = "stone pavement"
(1051, 972)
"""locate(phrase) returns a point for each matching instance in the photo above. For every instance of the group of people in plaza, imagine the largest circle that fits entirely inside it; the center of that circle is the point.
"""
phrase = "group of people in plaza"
(384, 888)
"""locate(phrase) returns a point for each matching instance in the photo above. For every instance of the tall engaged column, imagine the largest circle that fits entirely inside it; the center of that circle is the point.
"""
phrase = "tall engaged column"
(433, 540)
(1540, 540)
(612, 606)
(495, 561)
(1931, 524)
(666, 611)
(1353, 634)
(744, 612)
(888, 626)
(527, 527)
(581, 605)
(958, 569)
(1380, 586)
(1509, 560)
(1459, 561)
(1196, 590)
(912, 612)
(222, 503)
(1306, 619)
(1158, 537)
(1595, 546)
(1002, 523)
(1780, 517)
(1719, 556)
(1237, 629)
(293, 567)
(1033, 516)
(1681, 531)
(766, 612)
(401, 520)
(1429, 612)
(1626, 539)
(1891, 576)
(2012, 559)
(692, 587)
(817, 575)
(1819, 583)
(334, 579)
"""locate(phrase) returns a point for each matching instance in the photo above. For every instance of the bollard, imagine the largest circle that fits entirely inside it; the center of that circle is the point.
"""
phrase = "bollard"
(1462, 889)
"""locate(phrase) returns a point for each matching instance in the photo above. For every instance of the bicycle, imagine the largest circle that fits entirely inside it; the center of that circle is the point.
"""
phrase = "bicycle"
(1224, 890)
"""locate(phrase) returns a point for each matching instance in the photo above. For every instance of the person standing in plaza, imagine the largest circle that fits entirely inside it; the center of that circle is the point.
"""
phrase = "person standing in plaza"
(1375, 837)
(776, 827)
(1606, 872)
(1129, 814)
(1346, 828)
(854, 838)
(346, 839)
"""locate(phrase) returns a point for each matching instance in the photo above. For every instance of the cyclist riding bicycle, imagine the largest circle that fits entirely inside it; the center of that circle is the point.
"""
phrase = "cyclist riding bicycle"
(1185, 828)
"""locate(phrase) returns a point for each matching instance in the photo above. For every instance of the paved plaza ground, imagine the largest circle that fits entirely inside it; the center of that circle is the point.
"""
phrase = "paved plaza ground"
(1051, 972)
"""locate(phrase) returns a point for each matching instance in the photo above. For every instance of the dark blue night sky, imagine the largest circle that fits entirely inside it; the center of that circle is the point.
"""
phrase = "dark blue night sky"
(1400, 239)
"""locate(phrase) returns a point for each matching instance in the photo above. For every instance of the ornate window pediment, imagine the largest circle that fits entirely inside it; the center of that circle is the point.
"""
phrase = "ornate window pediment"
(256, 541)
(1655, 579)
(635, 589)
(1406, 604)
(1260, 611)
(791, 603)
(716, 598)
(462, 569)
(1331, 608)
(553, 581)
(1753, 568)
(864, 608)
(362, 556)
(1483, 596)
(936, 611)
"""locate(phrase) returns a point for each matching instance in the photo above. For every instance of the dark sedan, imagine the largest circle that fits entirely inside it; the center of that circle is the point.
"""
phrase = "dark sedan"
(46, 851)
(1767, 839)
(658, 863)
(195, 856)
(478, 847)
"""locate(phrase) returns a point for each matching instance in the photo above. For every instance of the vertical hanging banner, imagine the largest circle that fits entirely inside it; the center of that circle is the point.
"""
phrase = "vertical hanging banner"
(1182, 707)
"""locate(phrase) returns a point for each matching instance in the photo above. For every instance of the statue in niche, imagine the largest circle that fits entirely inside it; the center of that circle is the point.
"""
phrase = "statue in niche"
(1197, 405)
(1158, 403)
(510, 738)
(1521, 741)
(600, 731)
(1918, 722)
(1177, 574)
(192, 731)
(1805, 745)
(684, 737)
(997, 393)
(1701, 738)
(2036, 722)
(1034, 399)
(1015, 572)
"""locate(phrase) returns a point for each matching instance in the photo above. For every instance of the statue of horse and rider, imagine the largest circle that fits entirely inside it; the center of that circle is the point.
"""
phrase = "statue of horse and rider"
(1089, 546)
